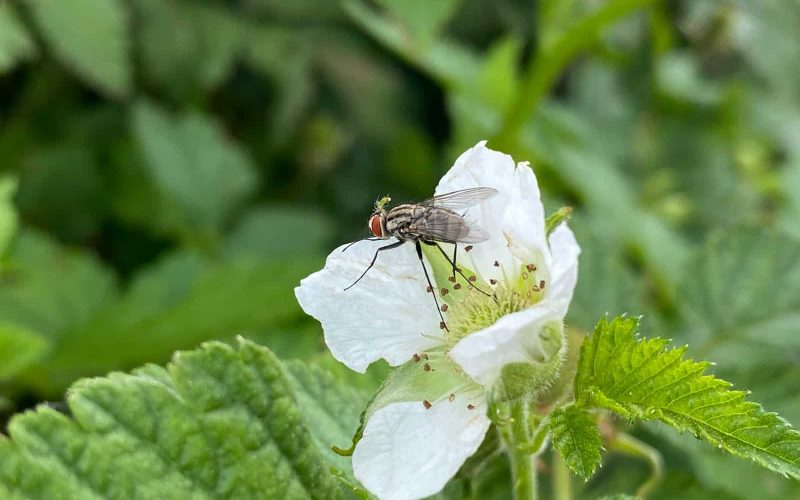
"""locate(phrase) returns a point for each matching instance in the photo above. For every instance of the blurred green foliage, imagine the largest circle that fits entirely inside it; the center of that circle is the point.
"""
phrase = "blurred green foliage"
(171, 169)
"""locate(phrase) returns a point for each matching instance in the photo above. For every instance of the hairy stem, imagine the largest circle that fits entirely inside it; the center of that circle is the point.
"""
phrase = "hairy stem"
(516, 434)
(562, 479)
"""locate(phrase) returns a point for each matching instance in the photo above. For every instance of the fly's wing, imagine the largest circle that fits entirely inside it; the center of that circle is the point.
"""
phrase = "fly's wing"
(441, 224)
(459, 201)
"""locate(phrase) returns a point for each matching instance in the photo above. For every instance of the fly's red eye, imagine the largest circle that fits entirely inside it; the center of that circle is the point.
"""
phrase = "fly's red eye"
(375, 226)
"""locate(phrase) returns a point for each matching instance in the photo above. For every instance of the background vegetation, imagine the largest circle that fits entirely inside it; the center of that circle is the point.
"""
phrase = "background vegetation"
(172, 169)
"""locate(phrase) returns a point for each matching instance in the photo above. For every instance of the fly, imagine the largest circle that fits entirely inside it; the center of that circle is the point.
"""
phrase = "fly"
(436, 220)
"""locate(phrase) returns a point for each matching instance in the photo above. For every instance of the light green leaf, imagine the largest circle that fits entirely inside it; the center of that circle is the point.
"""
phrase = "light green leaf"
(8, 214)
(218, 422)
(15, 42)
(192, 162)
(49, 288)
(180, 302)
(19, 348)
(280, 232)
(744, 285)
(424, 18)
(643, 379)
(91, 38)
(576, 438)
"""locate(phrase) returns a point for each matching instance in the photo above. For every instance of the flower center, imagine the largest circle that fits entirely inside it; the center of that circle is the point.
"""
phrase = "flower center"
(476, 311)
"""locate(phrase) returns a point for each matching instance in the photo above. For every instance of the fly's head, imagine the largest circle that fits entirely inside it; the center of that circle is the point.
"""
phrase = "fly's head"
(377, 222)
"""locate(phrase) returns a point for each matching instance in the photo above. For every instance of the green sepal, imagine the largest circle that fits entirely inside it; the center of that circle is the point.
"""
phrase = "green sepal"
(556, 218)
(525, 381)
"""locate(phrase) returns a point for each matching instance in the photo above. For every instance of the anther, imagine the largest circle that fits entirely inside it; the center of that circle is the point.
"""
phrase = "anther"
(425, 355)
(469, 407)
(531, 268)
(496, 264)
(451, 279)
(444, 308)
(444, 291)
(493, 281)
(457, 286)
(468, 248)
(426, 404)
(442, 325)
(541, 285)
(429, 289)
(426, 367)
(472, 279)
(452, 398)
(416, 358)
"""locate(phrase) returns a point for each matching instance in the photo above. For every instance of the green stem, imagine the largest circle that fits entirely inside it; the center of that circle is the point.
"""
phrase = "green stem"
(546, 66)
(516, 435)
(629, 445)
(562, 479)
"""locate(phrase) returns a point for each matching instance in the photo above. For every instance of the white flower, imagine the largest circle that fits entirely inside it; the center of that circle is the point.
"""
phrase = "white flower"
(413, 444)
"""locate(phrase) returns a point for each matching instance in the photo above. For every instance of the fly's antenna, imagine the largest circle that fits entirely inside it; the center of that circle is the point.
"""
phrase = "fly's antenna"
(381, 203)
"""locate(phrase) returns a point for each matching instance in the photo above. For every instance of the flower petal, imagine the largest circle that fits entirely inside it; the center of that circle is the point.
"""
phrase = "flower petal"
(385, 315)
(409, 452)
(512, 339)
(514, 219)
(563, 269)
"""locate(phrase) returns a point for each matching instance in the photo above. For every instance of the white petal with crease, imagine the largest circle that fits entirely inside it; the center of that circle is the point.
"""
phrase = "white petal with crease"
(385, 315)
(563, 269)
(409, 452)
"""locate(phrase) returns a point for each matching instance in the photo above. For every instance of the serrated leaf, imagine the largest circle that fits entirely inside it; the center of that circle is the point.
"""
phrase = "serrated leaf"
(218, 422)
(90, 37)
(192, 161)
(644, 379)
(19, 348)
(15, 42)
(576, 438)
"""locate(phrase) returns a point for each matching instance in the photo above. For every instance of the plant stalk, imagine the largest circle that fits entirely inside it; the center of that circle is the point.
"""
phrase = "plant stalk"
(516, 435)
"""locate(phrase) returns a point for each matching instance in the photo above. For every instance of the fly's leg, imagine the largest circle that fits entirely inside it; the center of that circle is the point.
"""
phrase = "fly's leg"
(353, 243)
(387, 247)
(455, 255)
(457, 270)
(432, 289)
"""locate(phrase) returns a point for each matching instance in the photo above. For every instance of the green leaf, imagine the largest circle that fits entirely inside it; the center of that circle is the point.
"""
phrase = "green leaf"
(576, 438)
(280, 232)
(19, 348)
(91, 38)
(643, 379)
(15, 42)
(192, 161)
(743, 285)
(182, 301)
(218, 422)
(8, 214)
(424, 18)
(51, 289)
(186, 49)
